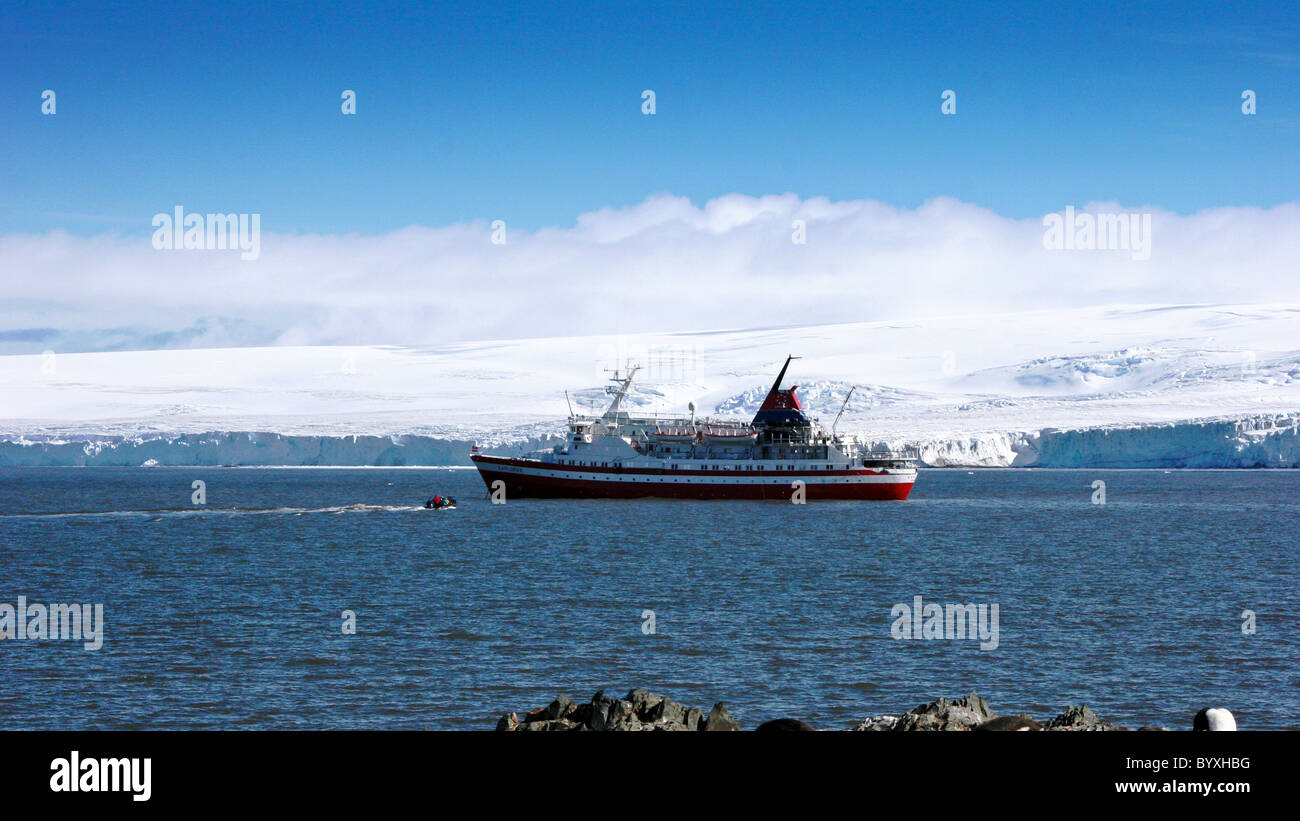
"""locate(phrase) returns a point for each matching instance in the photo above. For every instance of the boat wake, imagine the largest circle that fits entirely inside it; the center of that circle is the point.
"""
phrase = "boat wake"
(181, 512)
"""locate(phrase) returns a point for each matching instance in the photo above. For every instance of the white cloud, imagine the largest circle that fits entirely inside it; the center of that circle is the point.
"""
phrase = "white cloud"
(663, 264)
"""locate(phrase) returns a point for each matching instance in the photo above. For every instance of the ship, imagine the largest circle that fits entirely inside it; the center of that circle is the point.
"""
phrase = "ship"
(781, 454)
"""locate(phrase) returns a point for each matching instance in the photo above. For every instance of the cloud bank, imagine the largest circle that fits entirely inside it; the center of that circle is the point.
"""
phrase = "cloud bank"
(663, 264)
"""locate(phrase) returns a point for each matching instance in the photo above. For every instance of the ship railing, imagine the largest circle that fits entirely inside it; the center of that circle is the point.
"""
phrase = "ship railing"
(664, 422)
(905, 455)
(623, 418)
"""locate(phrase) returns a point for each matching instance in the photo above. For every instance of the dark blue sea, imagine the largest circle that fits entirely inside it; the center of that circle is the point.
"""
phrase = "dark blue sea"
(229, 614)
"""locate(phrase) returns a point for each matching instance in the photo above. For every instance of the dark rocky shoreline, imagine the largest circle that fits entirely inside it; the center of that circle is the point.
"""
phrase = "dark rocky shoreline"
(641, 710)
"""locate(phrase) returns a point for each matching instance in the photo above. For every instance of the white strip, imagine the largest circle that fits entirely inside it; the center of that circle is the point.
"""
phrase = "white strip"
(899, 477)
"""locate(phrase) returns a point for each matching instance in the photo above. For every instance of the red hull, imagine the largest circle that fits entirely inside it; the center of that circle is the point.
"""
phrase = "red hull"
(526, 486)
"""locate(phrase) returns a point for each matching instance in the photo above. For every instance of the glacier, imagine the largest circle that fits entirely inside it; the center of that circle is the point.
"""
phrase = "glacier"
(1137, 386)
(1271, 441)
(250, 449)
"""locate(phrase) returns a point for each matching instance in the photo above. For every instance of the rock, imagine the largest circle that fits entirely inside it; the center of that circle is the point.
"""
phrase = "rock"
(562, 707)
(621, 713)
(548, 726)
(720, 720)
(1081, 719)
(963, 714)
(976, 705)
(641, 711)
(666, 710)
(779, 725)
(1010, 723)
(508, 723)
(667, 727)
(602, 711)
(560, 725)
(642, 702)
(631, 725)
(876, 724)
(694, 717)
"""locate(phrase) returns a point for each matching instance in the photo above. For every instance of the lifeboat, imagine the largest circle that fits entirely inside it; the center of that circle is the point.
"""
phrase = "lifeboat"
(729, 436)
(674, 436)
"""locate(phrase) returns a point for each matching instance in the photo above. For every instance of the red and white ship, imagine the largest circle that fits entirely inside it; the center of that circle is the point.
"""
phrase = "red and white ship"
(781, 454)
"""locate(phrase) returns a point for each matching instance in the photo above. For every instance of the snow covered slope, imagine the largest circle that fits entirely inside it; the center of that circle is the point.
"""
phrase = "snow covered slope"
(1109, 386)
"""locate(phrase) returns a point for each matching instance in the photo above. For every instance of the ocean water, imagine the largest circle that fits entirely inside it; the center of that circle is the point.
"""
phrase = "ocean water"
(229, 614)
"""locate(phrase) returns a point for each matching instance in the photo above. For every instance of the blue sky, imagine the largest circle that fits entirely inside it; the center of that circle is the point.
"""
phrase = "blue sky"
(531, 113)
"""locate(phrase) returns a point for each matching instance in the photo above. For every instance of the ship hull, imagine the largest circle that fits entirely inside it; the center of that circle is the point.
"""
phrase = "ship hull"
(534, 479)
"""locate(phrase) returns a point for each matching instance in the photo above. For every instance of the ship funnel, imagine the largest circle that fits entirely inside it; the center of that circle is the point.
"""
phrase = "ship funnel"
(781, 407)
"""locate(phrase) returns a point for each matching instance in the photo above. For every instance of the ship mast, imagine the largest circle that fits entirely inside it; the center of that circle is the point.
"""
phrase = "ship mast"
(842, 407)
(618, 390)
